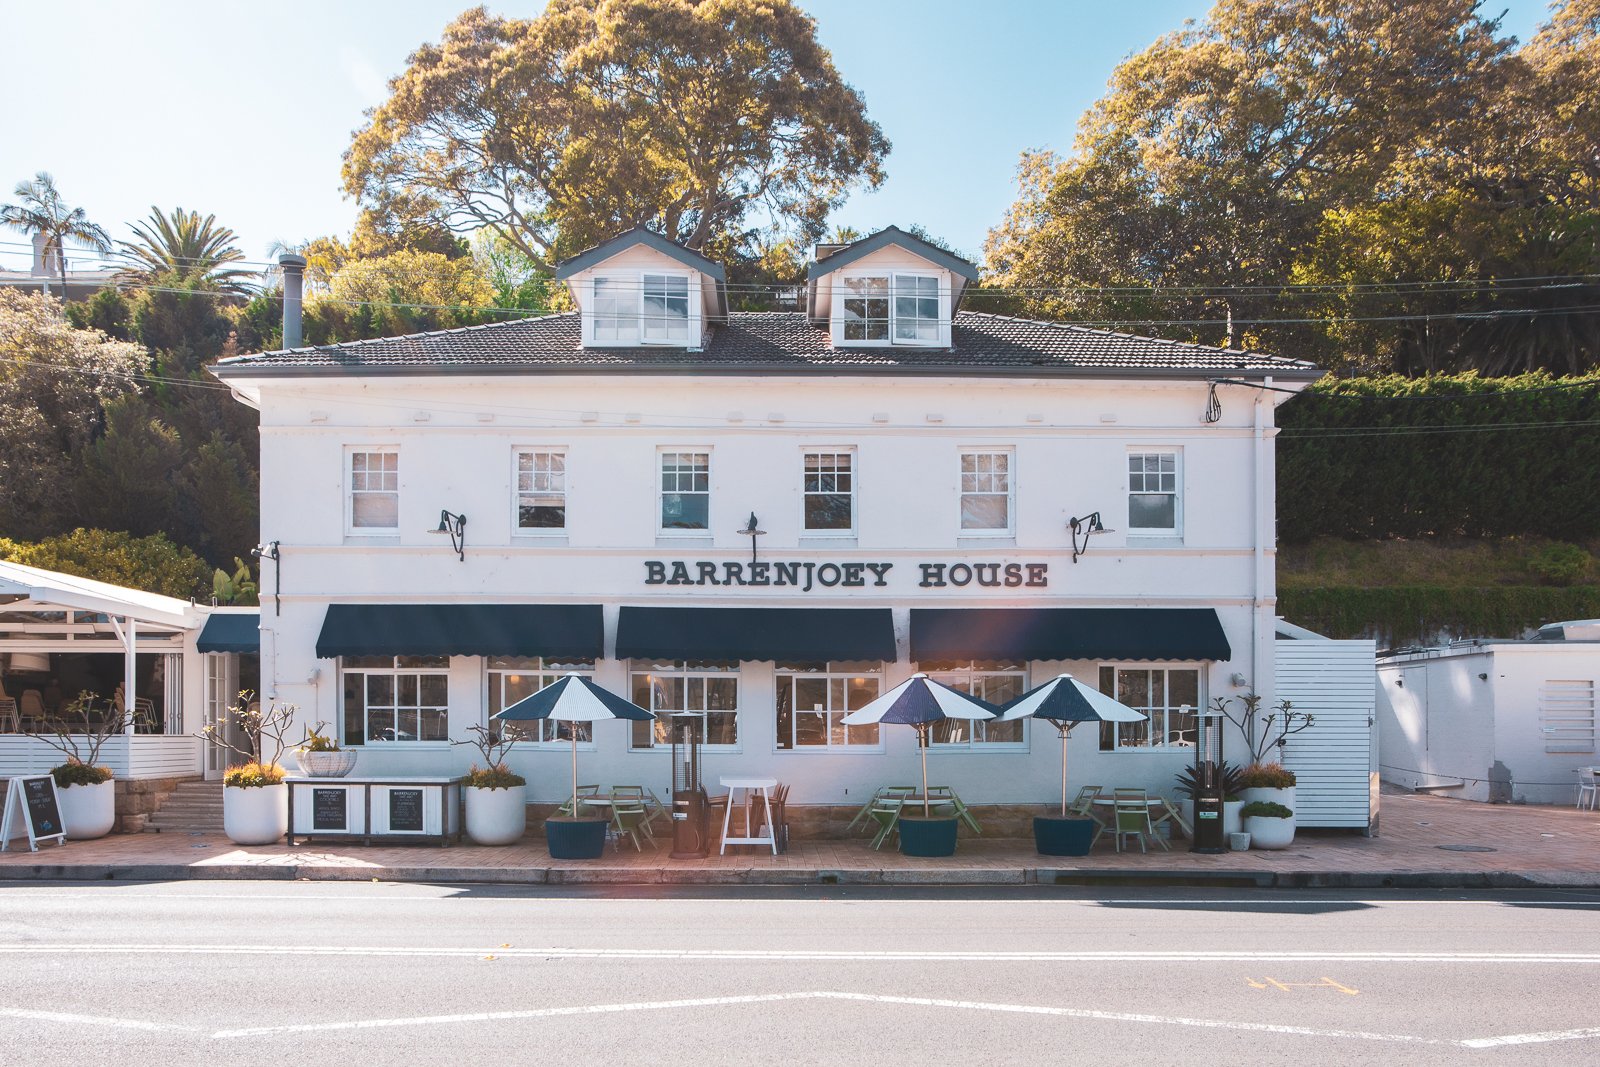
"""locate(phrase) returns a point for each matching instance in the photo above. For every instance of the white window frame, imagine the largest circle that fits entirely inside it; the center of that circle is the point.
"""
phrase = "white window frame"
(535, 733)
(686, 670)
(1159, 722)
(973, 733)
(854, 472)
(517, 492)
(350, 490)
(395, 671)
(1010, 494)
(892, 278)
(661, 492)
(1176, 529)
(827, 673)
(632, 283)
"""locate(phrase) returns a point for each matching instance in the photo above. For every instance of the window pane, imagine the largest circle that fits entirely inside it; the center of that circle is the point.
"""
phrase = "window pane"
(1152, 512)
(434, 690)
(722, 694)
(811, 694)
(380, 689)
(380, 725)
(721, 728)
(1183, 688)
(827, 512)
(541, 516)
(380, 510)
(984, 513)
(1002, 732)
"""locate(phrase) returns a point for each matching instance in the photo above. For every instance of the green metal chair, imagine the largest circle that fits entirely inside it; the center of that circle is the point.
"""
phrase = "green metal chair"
(962, 811)
(1132, 812)
(583, 791)
(629, 817)
(1083, 803)
(886, 813)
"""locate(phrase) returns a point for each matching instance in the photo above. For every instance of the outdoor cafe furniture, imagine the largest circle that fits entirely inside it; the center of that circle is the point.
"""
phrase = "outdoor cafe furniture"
(628, 816)
(1588, 787)
(748, 787)
(1158, 810)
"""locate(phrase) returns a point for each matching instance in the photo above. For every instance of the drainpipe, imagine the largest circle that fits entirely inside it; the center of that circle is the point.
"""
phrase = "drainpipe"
(293, 268)
(1264, 602)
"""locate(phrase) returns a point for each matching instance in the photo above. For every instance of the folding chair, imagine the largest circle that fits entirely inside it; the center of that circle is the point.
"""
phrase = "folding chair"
(628, 817)
(1083, 803)
(1132, 817)
(962, 811)
(1588, 788)
(886, 813)
(583, 791)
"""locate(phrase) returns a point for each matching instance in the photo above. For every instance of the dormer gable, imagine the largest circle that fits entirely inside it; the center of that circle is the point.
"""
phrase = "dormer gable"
(639, 288)
(890, 288)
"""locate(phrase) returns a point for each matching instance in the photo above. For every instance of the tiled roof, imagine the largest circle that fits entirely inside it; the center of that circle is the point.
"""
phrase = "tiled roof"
(775, 342)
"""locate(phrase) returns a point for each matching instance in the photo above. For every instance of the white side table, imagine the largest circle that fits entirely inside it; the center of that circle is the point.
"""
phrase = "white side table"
(749, 786)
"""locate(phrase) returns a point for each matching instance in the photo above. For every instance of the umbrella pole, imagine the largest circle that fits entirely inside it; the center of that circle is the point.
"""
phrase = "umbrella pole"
(1065, 730)
(922, 744)
(572, 728)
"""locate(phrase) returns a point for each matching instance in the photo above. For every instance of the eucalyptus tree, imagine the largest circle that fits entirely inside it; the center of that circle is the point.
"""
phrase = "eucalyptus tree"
(40, 209)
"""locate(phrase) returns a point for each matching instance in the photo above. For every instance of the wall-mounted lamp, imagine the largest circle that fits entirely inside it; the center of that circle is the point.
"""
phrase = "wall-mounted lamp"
(1085, 526)
(1483, 677)
(270, 551)
(750, 530)
(1400, 683)
(456, 526)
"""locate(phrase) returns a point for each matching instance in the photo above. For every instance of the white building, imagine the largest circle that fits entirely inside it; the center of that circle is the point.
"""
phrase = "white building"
(915, 470)
(1502, 721)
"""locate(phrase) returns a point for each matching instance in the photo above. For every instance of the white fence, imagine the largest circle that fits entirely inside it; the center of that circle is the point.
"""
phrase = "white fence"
(138, 756)
(1333, 761)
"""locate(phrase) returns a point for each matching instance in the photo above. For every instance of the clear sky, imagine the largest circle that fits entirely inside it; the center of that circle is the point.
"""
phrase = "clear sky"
(244, 109)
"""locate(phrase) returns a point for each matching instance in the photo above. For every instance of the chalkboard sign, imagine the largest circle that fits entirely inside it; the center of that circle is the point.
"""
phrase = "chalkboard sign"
(328, 809)
(32, 800)
(405, 810)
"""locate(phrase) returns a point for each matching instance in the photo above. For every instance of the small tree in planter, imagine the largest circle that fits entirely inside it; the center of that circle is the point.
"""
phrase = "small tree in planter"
(1269, 825)
(496, 796)
(1264, 735)
(1232, 786)
(87, 793)
(255, 800)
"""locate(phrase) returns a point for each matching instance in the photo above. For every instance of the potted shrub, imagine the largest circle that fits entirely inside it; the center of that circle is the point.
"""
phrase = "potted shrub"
(1269, 825)
(496, 797)
(321, 757)
(1271, 782)
(84, 787)
(255, 800)
(1231, 800)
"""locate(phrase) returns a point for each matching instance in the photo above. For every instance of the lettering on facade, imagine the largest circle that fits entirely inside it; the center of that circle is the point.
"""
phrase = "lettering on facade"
(805, 576)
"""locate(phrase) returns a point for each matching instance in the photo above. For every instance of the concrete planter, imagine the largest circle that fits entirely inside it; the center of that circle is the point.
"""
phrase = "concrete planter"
(496, 816)
(88, 811)
(1239, 842)
(1231, 823)
(257, 815)
(334, 764)
(1267, 832)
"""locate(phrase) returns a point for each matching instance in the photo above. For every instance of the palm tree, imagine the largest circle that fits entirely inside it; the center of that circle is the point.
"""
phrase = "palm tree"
(42, 211)
(185, 246)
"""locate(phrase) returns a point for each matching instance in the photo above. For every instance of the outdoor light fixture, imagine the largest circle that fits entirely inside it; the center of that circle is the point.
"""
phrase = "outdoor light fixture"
(270, 551)
(752, 532)
(456, 526)
(1084, 526)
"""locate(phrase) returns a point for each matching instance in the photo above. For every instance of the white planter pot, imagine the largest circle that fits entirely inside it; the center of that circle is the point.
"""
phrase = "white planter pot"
(328, 764)
(1267, 832)
(88, 811)
(1230, 816)
(1271, 796)
(255, 816)
(497, 816)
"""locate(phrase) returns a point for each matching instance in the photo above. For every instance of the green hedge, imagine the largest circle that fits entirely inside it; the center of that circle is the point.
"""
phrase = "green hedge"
(1366, 458)
(1411, 614)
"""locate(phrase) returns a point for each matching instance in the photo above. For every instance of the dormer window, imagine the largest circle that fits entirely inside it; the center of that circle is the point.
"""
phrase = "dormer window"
(885, 309)
(643, 308)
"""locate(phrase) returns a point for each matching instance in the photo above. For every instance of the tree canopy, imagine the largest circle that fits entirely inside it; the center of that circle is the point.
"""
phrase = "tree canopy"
(691, 116)
(183, 246)
(40, 208)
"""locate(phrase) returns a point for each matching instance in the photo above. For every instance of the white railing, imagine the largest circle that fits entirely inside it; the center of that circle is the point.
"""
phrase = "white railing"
(129, 757)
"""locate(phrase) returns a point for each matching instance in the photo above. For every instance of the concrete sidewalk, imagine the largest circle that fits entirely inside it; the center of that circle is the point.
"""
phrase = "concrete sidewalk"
(1421, 835)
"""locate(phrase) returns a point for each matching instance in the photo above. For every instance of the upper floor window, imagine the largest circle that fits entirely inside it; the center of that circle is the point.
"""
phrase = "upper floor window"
(708, 690)
(374, 489)
(631, 309)
(829, 492)
(541, 490)
(395, 698)
(814, 698)
(986, 492)
(1168, 695)
(685, 490)
(902, 309)
(513, 678)
(994, 681)
(1153, 504)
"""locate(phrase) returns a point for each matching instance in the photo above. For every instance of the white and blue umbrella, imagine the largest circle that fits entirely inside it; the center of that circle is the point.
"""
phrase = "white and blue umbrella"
(1065, 702)
(573, 699)
(920, 701)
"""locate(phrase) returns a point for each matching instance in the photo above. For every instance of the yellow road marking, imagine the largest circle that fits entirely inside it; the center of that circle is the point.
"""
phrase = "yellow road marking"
(1289, 987)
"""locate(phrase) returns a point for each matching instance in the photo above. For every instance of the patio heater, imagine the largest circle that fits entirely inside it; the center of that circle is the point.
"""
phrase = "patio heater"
(689, 803)
(1208, 794)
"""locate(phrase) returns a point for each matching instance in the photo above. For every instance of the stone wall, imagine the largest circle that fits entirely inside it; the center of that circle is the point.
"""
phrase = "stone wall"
(138, 800)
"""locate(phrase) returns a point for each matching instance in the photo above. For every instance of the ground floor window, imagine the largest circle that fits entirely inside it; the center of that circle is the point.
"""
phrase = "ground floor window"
(705, 688)
(511, 678)
(1168, 695)
(996, 681)
(395, 698)
(814, 698)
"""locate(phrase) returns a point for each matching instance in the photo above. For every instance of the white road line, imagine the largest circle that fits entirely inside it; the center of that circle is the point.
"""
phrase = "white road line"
(1532, 1039)
(807, 955)
(93, 1020)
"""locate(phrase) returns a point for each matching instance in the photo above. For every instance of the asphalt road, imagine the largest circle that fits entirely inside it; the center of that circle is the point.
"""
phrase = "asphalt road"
(372, 974)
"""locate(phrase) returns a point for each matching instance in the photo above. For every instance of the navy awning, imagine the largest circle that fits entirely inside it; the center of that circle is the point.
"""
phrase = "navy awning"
(1068, 633)
(555, 631)
(231, 632)
(806, 635)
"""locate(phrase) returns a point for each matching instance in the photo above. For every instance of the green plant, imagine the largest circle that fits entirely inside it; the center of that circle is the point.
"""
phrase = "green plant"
(317, 741)
(495, 776)
(1186, 784)
(253, 775)
(80, 730)
(263, 730)
(1264, 809)
(236, 588)
(1560, 563)
(1266, 776)
(73, 773)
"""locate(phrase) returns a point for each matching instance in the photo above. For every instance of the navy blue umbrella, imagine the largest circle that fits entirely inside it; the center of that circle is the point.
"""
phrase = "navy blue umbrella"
(920, 701)
(573, 699)
(1065, 702)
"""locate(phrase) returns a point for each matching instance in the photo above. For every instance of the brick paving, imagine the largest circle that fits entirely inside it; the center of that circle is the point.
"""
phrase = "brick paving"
(1532, 845)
